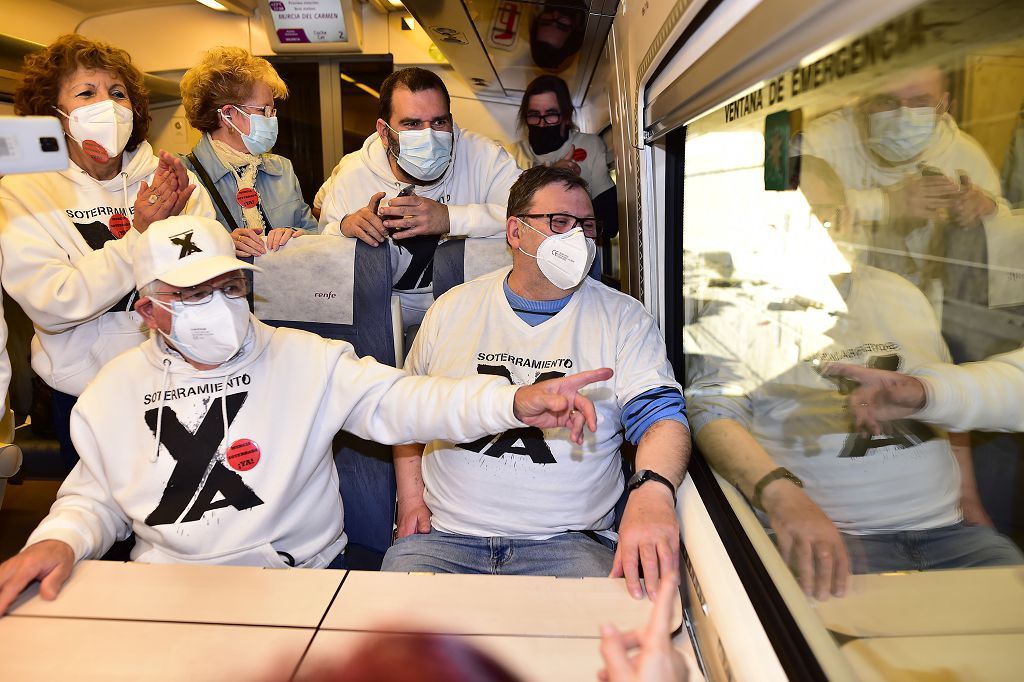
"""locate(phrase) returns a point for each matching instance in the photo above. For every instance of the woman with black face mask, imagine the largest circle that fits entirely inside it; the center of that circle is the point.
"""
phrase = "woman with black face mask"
(552, 139)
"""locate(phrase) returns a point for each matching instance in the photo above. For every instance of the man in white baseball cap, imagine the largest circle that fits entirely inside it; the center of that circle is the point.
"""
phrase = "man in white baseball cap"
(182, 442)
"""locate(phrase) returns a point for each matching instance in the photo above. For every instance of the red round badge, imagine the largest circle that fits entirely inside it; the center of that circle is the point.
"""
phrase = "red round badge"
(95, 151)
(243, 454)
(247, 197)
(119, 225)
(579, 154)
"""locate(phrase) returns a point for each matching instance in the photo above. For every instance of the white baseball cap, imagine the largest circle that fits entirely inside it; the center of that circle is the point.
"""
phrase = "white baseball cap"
(184, 251)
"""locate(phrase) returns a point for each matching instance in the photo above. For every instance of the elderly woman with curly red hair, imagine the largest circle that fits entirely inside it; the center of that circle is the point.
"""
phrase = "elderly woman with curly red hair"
(67, 236)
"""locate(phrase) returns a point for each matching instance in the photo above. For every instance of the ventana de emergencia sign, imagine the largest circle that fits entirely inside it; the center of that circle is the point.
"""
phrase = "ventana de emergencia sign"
(891, 40)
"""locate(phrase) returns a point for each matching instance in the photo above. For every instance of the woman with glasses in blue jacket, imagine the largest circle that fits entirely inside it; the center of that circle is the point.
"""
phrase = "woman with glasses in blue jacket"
(229, 97)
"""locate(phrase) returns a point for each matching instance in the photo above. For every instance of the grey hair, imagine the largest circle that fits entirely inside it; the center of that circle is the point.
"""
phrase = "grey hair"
(149, 290)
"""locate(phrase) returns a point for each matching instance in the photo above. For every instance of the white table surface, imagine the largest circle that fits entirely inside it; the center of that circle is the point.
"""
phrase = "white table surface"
(65, 649)
(485, 604)
(952, 602)
(115, 621)
(945, 659)
(194, 594)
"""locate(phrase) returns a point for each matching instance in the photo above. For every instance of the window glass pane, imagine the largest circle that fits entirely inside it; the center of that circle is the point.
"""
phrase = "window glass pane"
(867, 207)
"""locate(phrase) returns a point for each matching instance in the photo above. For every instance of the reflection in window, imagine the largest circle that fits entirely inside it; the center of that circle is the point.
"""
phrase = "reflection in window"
(890, 236)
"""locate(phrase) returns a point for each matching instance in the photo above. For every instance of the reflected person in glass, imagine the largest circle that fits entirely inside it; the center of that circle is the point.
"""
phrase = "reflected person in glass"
(773, 424)
(924, 187)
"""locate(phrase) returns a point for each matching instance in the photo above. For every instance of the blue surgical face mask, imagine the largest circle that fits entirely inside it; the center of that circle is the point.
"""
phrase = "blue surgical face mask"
(423, 154)
(901, 134)
(262, 132)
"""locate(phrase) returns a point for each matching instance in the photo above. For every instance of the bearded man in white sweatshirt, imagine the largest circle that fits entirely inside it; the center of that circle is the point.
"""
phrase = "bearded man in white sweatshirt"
(459, 183)
(181, 439)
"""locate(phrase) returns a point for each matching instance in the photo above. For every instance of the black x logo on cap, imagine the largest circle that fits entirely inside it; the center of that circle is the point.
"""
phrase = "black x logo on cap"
(184, 240)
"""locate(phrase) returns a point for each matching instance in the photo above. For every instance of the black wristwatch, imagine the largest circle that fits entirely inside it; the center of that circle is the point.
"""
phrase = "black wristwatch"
(644, 475)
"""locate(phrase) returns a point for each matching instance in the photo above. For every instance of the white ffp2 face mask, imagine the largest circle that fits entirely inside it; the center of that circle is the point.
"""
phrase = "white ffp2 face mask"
(105, 123)
(901, 134)
(565, 259)
(424, 154)
(210, 333)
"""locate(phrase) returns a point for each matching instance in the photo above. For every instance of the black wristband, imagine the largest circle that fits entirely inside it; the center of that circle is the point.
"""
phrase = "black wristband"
(644, 475)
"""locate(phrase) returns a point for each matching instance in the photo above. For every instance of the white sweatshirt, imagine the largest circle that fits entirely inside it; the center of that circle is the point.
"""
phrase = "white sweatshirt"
(288, 392)
(68, 272)
(546, 484)
(983, 395)
(836, 139)
(475, 188)
(591, 155)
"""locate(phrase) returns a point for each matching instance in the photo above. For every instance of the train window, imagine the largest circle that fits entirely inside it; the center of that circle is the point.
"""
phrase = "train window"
(864, 207)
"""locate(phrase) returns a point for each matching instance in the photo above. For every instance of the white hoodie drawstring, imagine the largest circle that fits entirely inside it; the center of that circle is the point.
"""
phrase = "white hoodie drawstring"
(160, 409)
(128, 215)
(224, 412)
(124, 191)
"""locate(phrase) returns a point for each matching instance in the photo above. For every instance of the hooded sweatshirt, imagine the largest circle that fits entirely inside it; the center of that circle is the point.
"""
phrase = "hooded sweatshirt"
(67, 270)
(983, 395)
(475, 188)
(249, 480)
(590, 154)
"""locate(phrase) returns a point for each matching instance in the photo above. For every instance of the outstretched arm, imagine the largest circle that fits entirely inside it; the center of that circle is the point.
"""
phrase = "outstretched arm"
(977, 395)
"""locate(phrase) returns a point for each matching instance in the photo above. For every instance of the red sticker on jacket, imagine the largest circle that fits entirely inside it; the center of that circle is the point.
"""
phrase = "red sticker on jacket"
(119, 225)
(579, 154)
(95, 151)
(247, 197)
(243, 454)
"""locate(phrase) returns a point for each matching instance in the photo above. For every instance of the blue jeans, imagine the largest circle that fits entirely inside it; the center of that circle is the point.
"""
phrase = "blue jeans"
(957, 546)
(567, 555)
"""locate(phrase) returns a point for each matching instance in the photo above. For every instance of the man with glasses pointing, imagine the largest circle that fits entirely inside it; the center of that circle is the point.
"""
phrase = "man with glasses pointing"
(529, 501)
(212, 440)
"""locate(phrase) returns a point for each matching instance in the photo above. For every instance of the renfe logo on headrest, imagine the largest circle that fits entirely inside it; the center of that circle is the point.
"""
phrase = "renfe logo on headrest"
(184, 240)
(324, 294)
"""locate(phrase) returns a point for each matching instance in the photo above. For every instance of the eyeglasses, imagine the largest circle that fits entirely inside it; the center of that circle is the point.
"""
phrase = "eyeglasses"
(269, 110)
(562, 23)
(560, 223)
(550, 118)
(880, 103)
(203, 293)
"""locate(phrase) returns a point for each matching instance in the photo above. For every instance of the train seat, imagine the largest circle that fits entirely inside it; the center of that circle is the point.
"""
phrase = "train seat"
(360, 279)
(460, 260)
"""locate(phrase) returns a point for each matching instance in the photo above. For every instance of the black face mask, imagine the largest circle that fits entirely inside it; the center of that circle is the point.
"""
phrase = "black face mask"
(544, 139)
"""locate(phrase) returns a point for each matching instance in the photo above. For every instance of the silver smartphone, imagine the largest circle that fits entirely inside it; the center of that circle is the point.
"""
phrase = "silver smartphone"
(31, 144)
